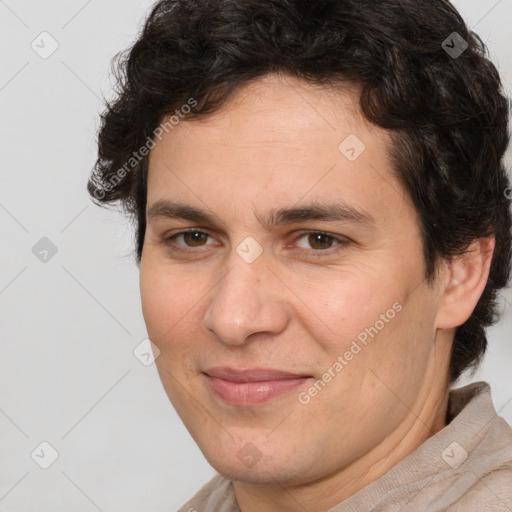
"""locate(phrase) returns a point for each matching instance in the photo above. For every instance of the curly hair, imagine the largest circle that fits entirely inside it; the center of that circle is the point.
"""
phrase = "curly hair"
(423, 75)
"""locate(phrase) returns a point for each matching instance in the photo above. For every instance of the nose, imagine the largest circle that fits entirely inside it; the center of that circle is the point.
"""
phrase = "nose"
(247, 301)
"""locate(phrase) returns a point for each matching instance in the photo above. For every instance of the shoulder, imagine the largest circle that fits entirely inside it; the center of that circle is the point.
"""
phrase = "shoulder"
(491, 492)
(486, 474)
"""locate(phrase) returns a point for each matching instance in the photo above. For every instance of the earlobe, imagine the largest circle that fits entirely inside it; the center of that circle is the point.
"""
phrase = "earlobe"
(467, 277)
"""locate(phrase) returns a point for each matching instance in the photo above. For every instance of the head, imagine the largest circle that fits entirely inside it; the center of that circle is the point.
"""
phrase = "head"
(340, 173)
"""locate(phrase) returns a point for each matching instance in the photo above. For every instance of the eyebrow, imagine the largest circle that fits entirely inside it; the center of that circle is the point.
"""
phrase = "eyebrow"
(277, 216)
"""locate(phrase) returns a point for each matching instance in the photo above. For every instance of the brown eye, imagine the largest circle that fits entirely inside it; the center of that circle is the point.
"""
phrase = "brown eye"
(194, 238)
(319, 241)
(190, 238)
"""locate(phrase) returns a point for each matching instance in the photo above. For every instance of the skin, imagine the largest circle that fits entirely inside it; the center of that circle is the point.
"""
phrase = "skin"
(275, 145)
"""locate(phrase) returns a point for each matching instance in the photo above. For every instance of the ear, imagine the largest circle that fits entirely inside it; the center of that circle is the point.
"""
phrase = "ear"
(466, 279)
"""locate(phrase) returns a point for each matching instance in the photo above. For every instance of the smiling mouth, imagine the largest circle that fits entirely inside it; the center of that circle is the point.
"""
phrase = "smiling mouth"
(253, 386)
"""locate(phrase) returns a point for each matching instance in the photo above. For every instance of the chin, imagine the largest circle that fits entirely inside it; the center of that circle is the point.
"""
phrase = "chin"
(247, 465)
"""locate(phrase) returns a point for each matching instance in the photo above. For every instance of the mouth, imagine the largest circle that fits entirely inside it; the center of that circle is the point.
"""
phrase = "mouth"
(252, 386)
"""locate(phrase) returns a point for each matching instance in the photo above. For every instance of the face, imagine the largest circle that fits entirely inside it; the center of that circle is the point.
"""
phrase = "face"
(287, 294)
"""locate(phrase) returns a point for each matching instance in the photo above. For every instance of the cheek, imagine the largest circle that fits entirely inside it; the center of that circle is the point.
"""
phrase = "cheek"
(173, 302)
(164, 299)
(348, 307)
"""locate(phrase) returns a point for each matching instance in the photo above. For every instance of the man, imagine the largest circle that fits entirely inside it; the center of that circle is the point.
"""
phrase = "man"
(323, 224)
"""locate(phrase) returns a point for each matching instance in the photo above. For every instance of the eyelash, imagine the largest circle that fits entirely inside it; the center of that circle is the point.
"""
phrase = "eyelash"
(318, 253)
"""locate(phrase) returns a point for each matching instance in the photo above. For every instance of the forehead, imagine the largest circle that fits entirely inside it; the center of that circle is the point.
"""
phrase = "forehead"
(277, 109)
(277, 140)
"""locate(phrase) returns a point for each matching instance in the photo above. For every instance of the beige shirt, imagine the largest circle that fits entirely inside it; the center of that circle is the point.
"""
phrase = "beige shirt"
(465, 467)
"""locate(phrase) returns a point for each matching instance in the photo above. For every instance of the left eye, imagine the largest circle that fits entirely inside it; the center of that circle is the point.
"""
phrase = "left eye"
(320, 241)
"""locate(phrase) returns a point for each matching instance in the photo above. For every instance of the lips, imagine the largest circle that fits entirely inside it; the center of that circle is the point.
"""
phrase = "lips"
(251, 386)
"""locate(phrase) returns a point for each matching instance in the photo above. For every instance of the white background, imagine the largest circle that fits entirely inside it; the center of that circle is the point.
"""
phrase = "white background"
(68, 375)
